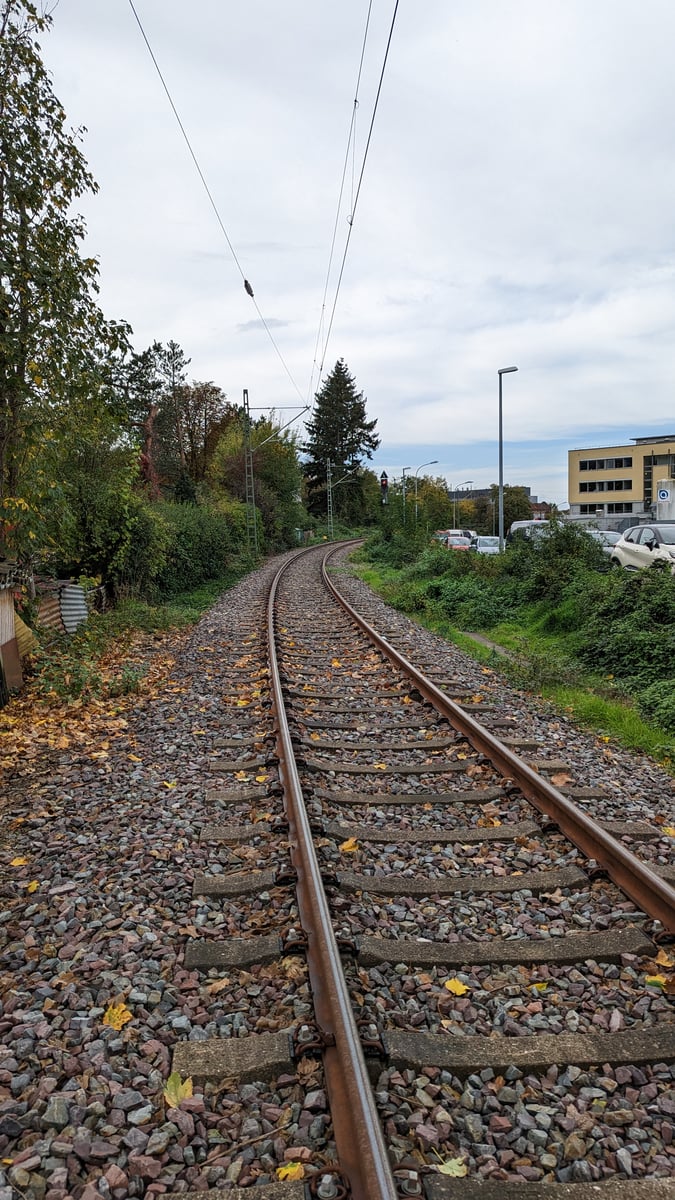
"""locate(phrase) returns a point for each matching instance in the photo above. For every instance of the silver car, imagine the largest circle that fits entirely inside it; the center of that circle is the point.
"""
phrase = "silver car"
(644, 545)
(485, 545)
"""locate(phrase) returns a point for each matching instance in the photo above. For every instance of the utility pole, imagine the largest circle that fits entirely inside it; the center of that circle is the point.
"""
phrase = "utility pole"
(251, 523)
(329, 487)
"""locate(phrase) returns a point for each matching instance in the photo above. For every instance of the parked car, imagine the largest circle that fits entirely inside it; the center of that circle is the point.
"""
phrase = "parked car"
(606, 537)
(457, 543)
(527, 529)
(485, 545)
(643, 545)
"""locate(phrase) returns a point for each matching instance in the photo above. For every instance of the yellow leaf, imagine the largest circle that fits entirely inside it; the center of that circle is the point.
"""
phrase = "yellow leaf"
(456, 1167)
(335, 662)
(291, 1170)
(456, 987)
(664, 959)
(33, 886)
(177, 1089)
(243, 703)
(169, 785)
(380, 766)
(261, 778)
(406, 700)
(198, 732)
(134, 758)
(670, 830)
(349, 846)
(18, 862)
(539, 987)
(116, 1016)
(658, 981)
(316, 737)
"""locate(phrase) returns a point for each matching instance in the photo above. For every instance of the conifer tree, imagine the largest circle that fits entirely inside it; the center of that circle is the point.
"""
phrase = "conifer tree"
(339, 433)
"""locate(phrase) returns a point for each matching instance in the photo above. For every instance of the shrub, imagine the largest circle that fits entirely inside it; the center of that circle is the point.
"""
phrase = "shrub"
(657, 703)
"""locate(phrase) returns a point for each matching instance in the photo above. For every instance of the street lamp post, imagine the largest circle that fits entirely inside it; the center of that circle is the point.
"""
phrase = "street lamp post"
(432, 463)
(403, 490)
(502, 371)
(454, 491)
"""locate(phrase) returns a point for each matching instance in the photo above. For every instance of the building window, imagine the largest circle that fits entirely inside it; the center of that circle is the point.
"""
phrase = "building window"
(619, 508)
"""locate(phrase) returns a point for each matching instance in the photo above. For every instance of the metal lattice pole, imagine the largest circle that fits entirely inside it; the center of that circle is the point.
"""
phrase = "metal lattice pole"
(251, 523)
(329, 486)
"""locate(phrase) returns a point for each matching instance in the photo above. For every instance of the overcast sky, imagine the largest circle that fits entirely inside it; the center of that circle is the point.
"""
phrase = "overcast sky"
(517, 208)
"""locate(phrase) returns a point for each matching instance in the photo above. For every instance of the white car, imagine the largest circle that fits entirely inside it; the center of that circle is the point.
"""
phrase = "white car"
(644, 545)
(485, 545)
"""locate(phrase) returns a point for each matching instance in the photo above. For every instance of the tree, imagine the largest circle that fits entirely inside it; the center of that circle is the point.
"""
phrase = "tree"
(338, 431)
(276, 471)
(51, 330)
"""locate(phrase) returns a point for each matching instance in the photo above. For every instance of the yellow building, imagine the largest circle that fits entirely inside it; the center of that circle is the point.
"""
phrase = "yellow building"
(620, 481)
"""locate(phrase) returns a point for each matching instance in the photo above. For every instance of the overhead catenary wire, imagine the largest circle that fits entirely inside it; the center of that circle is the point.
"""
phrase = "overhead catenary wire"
(211, 199)
(351, 144)
(358, 190)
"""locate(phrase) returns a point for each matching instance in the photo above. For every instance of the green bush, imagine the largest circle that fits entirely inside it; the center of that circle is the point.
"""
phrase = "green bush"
(657, 703)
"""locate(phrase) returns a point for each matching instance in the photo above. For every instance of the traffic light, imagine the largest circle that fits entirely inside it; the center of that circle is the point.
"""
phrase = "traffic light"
(384, 486)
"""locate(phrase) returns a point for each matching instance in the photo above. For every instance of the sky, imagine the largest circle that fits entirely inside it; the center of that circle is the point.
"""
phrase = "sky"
(516, 208)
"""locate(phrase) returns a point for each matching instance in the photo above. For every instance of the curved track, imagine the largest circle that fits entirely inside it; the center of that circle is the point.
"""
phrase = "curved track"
(423, 848)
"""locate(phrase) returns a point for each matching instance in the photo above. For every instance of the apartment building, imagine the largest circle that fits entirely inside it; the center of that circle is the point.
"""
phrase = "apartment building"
(621, 481)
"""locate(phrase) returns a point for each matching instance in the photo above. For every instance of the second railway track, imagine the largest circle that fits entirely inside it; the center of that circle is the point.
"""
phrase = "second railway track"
(421, 957)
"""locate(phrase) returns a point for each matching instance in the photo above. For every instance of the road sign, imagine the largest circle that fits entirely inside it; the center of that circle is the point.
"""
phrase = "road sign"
(664, 493)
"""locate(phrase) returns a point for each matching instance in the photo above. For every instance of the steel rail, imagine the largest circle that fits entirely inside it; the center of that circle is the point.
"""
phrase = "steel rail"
(358, 1134)
(651, 893)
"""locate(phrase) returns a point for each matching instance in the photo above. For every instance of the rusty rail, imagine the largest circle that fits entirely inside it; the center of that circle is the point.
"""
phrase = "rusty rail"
(358, 1135)
(651, 893)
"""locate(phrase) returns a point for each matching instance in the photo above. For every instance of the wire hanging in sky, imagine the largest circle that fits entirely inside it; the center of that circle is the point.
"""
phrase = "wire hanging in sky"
(358, 191)
(351, 143)
(212, 202)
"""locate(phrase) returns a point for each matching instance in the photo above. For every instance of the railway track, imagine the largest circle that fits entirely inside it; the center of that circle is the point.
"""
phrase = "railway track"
(488, 963)
(332, 898)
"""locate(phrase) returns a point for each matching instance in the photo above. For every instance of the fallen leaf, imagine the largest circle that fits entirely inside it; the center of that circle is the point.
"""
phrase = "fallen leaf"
(335, 663)
(380, 766)
(261, 778)
(349, 846)
(670, 830)
(177, 1089)
(18, 862)
(291, 1170)
(658, 981)
(169, 785)
(117, 1016)
(455, 1167)
(33, 886)
(664, 959)
(217, 986)
(456, 987)
(560, 779)
(134, 758)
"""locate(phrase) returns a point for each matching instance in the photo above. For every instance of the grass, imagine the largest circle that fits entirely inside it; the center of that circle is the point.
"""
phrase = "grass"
(540, 664)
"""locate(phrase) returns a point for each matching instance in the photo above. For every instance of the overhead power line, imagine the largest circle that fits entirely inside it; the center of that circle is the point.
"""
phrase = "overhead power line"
(212, 202)
(358, 189)
(351, 143)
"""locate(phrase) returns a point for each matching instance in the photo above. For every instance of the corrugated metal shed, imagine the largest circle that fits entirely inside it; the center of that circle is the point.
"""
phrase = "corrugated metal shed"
(74, 609)
(49, 612)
